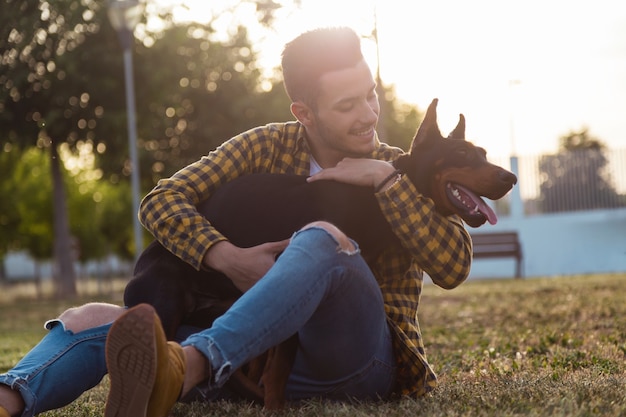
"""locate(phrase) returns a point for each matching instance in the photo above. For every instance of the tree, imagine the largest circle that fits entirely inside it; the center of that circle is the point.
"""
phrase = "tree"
(37, 107)
(33, 186)
(60, 84)
(9, 213)
(99, 210)
(195, 95)
(400, 119)
(575, 178)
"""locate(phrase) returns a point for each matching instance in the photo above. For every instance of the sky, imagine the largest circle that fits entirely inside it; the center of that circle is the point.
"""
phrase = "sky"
(523, 73)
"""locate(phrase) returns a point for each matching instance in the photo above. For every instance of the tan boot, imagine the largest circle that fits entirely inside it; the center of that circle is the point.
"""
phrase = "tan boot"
(169, 379)
(146, 371)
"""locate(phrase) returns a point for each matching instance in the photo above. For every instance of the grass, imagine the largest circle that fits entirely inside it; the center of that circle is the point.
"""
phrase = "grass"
(534, 347)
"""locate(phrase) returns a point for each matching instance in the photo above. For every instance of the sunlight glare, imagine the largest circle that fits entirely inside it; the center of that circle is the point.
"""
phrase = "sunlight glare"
(567, 56)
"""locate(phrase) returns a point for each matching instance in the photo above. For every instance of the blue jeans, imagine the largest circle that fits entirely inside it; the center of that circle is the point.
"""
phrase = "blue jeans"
(326, 295)
(332, 300)
(59, 368)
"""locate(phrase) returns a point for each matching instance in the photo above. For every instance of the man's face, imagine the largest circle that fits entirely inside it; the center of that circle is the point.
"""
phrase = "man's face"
(346, 116)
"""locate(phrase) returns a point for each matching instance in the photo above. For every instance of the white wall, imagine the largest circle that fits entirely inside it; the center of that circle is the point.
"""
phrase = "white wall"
(19, 265)
(561, 244)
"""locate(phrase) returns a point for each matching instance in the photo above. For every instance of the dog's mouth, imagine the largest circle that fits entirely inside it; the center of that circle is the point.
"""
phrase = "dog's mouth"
(475, 210)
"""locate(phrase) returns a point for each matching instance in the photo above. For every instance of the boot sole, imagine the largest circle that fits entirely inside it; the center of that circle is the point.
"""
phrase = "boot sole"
(131, 361)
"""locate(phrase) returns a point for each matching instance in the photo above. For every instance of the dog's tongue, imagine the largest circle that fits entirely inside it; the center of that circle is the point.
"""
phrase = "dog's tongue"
(480, 205)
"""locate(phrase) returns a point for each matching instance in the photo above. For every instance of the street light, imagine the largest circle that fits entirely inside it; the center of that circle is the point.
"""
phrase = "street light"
(517, 205)
(124, 16)
(512, 83)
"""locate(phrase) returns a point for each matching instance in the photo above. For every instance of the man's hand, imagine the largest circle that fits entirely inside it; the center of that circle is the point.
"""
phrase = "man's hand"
(244, 266)
(357, 171)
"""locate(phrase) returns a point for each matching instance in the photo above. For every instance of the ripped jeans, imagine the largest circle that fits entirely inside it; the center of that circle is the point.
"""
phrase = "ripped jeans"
(332, 300)
(326, 295)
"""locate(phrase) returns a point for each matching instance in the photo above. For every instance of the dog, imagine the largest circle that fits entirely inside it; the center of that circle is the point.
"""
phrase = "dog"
(451, 171)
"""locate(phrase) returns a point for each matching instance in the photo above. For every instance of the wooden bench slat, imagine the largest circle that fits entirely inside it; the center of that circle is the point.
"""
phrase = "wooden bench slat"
(491, 247)
(499, 245)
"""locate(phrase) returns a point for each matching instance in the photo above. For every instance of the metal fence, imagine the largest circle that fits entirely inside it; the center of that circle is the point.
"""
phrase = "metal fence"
(577, 180)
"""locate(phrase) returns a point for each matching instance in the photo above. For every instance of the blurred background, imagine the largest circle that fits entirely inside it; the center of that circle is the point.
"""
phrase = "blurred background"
(99, 99)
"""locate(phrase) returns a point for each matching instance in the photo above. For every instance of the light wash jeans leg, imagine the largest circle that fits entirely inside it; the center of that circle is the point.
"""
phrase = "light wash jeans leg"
(332, 300)
(59, 368)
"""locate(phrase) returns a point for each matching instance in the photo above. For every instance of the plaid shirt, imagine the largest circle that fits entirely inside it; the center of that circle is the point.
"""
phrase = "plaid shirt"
(432, 243)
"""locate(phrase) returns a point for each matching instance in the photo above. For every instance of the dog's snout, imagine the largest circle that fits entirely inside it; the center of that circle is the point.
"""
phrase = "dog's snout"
(507, 177)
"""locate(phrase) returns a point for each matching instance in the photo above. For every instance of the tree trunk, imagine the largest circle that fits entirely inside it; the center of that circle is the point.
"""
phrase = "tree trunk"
(64, 276)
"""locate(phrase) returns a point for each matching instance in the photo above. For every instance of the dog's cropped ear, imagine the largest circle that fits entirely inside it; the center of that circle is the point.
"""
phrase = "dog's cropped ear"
(459, 130)
(428, 131)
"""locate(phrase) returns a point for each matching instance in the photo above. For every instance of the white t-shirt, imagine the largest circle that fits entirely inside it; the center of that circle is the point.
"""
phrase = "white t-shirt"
(315, 167)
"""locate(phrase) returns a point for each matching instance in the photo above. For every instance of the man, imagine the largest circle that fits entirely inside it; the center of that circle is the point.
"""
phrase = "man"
(357, 323)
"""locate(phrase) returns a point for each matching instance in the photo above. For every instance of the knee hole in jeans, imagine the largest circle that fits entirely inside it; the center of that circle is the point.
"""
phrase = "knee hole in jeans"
(345, 244)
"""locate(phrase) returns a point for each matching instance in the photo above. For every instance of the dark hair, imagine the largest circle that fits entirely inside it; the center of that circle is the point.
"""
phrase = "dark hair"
(306, 58)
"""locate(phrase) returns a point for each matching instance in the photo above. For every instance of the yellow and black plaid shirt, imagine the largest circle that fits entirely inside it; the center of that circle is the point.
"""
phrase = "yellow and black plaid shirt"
(432, 243)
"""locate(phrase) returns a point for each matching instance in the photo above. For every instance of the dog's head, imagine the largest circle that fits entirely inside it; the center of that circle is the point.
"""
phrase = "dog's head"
(453, 172)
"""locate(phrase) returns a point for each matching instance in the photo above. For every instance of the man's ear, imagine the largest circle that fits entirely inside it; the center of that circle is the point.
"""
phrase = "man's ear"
(302, 112)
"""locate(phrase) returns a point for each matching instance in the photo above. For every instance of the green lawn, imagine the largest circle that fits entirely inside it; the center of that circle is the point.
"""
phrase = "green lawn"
(534, 347)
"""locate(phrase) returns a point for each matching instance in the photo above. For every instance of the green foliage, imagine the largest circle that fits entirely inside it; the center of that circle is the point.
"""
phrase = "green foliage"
(398, 120)
(575, 177)
(34, 203)
(45, 98)
(9, 213)
(63, 69)
(194, 94)
(100, 212)
(39, 86)
(580, 140)
(115, 216)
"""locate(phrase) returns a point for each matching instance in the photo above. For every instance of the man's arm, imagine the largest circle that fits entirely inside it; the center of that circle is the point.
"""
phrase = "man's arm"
(441, 245)
(357, 171)
(169, 210)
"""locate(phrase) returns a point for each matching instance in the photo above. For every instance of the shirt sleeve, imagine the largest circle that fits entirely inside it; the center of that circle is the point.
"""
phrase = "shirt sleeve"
(169, 210)
(441, 245)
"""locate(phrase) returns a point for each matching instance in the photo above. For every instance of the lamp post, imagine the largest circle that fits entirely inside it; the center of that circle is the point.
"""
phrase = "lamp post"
(517, 205)
(512, 84)
(124, 16)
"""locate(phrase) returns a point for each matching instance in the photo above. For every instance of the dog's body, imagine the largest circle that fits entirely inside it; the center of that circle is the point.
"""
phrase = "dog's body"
(260, 208)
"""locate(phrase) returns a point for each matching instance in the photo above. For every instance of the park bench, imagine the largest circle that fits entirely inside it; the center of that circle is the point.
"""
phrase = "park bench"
(499, 245)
